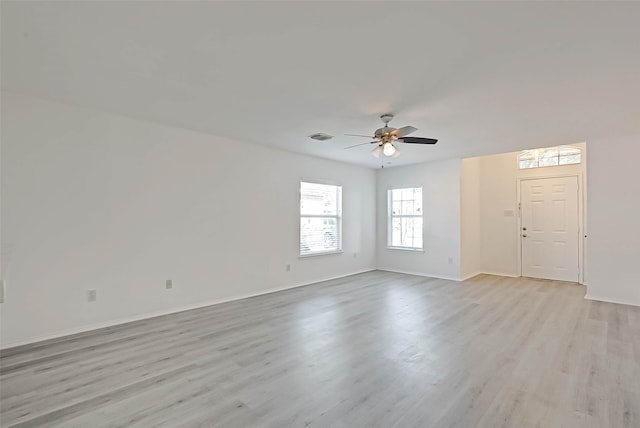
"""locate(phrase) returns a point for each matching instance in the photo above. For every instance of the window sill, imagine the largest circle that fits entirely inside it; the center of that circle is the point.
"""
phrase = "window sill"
(415, 250)
(323, 253)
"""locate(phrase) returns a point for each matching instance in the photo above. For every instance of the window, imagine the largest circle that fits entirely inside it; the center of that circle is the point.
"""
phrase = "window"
(552, 156)
(405, 218)
(320, 218)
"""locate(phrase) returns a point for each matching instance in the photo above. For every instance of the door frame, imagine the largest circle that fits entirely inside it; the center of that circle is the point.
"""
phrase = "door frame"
(581, 217)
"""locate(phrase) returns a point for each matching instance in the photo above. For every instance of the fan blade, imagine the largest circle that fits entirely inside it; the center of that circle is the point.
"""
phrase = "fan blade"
(358, 135)
(418, 140)
(405, 130)
(361, 144)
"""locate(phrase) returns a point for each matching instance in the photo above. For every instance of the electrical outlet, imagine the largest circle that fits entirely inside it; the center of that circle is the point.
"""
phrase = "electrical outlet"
(288, 268)
(355, 255)
(3, 284)
(450, 260)
(168, 284)
(91, 295)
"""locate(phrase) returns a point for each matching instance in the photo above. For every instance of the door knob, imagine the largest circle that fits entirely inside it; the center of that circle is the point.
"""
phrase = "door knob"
(524, 228)
(524, 235)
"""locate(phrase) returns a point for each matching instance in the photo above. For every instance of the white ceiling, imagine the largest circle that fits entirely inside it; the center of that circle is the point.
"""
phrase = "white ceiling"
(482, 77)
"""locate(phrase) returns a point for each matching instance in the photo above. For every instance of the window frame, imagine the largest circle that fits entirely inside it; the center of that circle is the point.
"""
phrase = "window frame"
(337, 217)
(391, 216)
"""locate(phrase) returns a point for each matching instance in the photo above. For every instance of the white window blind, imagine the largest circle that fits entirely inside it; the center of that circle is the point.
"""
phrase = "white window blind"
(320, 218)
(405, 218)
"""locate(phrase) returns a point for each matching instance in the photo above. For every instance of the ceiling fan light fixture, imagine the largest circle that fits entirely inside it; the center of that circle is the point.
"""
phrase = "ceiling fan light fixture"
(386, 138)
(388, 149)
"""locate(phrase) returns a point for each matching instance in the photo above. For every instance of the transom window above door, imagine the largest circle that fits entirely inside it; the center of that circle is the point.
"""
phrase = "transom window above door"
(551, 156)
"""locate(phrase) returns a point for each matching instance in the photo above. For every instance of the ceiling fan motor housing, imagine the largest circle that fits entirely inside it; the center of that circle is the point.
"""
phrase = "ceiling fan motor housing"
(381, 133)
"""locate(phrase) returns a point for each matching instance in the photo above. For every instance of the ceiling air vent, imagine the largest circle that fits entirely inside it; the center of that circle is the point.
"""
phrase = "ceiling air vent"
(321, 137)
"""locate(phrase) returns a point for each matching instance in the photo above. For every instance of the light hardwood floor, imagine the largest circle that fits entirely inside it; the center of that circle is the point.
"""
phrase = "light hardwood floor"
(377, 349)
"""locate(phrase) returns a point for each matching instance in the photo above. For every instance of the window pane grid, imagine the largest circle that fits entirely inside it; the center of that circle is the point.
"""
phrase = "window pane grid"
(553, 156)
(320, 218)
(405, 218)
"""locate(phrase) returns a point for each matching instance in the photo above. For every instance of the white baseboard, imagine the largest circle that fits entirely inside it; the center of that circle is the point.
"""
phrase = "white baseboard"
(471, 275)
(448, 277)
(609, 300)
(508, 275)
(421, 274)
(97, 326)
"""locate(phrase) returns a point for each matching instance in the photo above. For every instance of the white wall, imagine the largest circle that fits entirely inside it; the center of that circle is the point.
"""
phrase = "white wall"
(440, 182)
(613, 239)
(471, 227)
(499, 195)
(92, 200)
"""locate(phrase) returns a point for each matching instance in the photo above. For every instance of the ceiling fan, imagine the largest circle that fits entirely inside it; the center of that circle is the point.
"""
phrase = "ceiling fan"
(386, 138)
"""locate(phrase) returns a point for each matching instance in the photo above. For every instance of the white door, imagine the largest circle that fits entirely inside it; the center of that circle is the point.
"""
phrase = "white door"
(550, 228)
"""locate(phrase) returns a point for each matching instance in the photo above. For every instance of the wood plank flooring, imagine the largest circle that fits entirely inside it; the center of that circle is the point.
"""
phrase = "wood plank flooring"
(377, 349)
